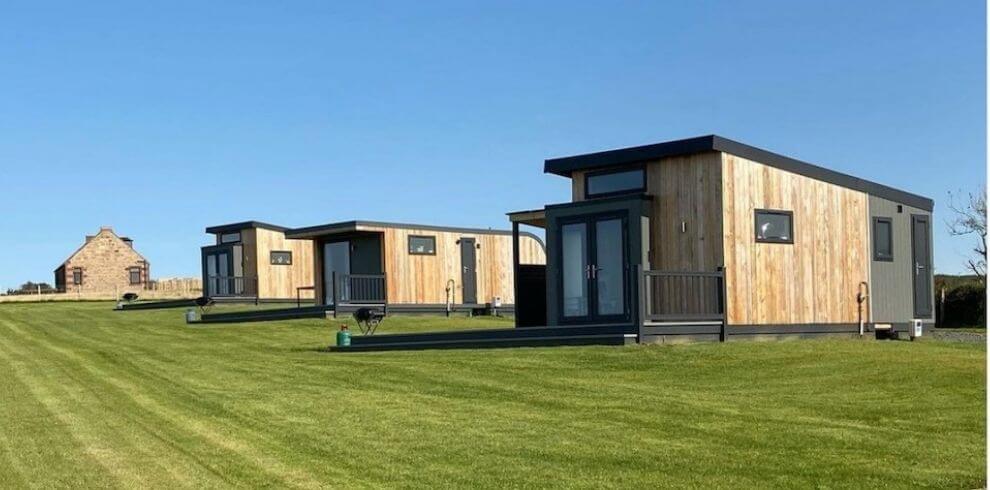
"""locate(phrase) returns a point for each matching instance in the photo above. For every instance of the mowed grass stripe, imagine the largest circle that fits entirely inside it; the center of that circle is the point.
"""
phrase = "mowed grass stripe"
(148, 413)
(135, 443)
(35, 444)
(831, 413)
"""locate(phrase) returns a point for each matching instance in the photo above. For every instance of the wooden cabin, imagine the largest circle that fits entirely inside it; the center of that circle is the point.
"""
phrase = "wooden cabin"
(708, 238)
(415, 268)
(256, 261)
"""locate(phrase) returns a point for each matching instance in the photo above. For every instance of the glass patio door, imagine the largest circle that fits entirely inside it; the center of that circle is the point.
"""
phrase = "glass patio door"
(594, 270)
(218, 274)
(336, 265)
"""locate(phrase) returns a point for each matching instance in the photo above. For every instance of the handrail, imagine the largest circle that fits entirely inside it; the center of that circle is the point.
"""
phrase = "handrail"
(683, 273)
(224, 285)
(360, 289)
(299, 296)
(678, 296)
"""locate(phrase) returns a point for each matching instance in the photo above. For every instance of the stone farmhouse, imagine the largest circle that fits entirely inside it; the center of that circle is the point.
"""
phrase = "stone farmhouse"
(104, 263)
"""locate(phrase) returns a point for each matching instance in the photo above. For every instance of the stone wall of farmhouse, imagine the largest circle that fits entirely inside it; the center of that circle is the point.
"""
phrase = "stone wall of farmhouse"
(106, 261)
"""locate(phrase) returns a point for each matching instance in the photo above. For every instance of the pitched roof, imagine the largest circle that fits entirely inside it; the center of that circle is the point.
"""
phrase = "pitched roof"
(565, 166)
(90, 239)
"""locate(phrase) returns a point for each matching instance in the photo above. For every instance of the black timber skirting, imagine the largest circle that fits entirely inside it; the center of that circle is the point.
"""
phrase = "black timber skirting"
(250, 300)
(667, 334)
(266, 315)
(154, 305)
(430, 309)
(811, 330)
(509, 337)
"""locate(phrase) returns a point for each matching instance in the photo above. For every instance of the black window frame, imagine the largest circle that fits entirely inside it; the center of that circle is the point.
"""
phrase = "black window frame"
(597, 173)
(79, 281)
(877, 256)
(779, 212)
(130, 276)
(431, 238)
(225, 242)
(272, 253)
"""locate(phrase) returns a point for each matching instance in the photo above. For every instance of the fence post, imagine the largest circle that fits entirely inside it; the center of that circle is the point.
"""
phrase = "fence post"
(643, 298)
(723, 305)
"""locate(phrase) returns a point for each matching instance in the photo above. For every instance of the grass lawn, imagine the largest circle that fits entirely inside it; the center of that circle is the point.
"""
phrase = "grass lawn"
(92, 397)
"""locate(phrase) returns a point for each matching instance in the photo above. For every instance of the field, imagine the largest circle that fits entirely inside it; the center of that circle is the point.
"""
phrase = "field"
(97, 398)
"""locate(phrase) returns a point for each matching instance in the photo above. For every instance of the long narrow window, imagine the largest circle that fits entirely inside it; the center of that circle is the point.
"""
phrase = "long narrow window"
(774, 226)
(280, 257)
(614, 182)
(77, 276)
(422, 245)
(134, 274)
(883, 239)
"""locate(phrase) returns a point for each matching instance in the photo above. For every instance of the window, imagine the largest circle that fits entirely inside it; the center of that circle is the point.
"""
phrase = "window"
(883, 239)
(422, 245)
(280, 257)
(135, 275)
(614, 182)
(77, 277)
(774, 226)
(230, 237)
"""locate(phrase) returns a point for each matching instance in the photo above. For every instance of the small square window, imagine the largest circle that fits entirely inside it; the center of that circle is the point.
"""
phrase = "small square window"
(774, 226)
(77, 276)
(883, 239)
(422, 245)
(134, 274)
(281, 257)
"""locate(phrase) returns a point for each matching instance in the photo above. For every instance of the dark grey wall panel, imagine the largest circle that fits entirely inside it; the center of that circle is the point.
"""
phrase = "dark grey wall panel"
(891, 283)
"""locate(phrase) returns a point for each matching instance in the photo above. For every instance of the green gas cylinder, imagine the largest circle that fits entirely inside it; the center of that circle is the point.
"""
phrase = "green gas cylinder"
(343, 337)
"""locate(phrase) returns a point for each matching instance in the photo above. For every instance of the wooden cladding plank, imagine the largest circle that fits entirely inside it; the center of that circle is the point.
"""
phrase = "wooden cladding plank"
(281, 281)
(423, 279)
(686, 190)
(813, 280)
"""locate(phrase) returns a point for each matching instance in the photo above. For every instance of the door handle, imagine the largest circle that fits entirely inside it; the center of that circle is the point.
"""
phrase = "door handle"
(918, 268)
(593, 270)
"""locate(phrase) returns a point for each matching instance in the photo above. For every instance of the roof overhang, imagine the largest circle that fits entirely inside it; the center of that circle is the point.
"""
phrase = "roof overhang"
(565, 166)
(377, 226)
(244, 225)
(533, 217)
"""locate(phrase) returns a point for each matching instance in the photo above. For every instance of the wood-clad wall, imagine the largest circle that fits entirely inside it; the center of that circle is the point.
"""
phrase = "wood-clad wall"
(422, 279)
(813, 280)
(686, 190)
(279, 281)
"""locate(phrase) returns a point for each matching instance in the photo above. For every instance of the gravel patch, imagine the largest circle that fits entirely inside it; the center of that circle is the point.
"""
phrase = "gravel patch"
(949, 335)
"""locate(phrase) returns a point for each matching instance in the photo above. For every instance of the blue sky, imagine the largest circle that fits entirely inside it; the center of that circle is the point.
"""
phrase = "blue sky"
(162, 119)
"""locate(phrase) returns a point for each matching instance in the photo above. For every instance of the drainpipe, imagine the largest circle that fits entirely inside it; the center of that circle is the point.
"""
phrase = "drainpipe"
(449, 294)
(861, 297)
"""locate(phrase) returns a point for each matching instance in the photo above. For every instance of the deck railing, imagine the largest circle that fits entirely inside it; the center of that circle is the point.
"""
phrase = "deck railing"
(359, 289)
(219, 286)
(682, 296)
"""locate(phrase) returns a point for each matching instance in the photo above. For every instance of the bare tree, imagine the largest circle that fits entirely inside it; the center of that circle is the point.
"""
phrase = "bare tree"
(971, 219)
